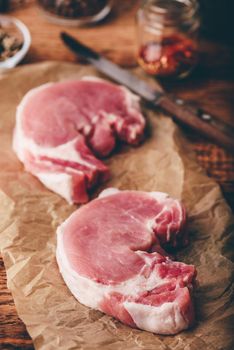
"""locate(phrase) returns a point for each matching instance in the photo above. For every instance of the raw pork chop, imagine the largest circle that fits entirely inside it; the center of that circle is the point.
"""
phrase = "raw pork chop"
(111, 255)
(62, 127)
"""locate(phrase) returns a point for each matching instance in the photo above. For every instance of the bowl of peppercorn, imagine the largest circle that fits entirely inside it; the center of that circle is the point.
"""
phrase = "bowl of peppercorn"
(15, 41)
(75, 12)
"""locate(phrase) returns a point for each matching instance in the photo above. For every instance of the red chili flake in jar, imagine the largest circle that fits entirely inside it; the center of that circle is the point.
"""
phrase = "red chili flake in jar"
(167, 37)
(173, 55)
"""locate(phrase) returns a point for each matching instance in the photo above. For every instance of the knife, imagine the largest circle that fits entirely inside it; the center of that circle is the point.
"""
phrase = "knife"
(202, 122)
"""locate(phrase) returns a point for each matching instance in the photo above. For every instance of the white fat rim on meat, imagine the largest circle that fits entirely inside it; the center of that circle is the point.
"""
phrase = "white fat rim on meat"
(60, 183)
(108, 192)
(91, 293)
(163, 319)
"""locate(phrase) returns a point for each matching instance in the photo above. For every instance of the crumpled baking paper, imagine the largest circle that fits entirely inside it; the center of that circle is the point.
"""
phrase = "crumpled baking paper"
(29, 215)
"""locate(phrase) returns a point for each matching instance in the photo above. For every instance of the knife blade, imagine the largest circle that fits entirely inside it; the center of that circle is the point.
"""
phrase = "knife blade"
(195, 118)
(111, 69)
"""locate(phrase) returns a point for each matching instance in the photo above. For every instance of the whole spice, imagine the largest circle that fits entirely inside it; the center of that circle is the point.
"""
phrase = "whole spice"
(9, 45)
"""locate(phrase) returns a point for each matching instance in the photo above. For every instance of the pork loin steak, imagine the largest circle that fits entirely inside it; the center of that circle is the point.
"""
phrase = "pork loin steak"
(62, 127)
(111, 255)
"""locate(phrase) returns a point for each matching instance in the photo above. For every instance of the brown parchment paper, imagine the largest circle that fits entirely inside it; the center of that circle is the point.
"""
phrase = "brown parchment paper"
(29, 215)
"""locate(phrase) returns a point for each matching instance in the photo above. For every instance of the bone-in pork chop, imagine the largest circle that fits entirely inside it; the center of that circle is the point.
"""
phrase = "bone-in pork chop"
(111, 255)
(61, 129)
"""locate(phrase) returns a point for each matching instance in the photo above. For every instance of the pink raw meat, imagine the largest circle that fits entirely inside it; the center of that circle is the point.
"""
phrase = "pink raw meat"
(62, 127)
(111, 255)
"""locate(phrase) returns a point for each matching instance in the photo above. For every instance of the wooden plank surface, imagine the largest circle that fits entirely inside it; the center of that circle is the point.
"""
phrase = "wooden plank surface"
(211, 86)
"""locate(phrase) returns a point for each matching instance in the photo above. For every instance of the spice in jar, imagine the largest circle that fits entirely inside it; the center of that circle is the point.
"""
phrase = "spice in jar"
(9, 44)
(167, 34)
(174, 55)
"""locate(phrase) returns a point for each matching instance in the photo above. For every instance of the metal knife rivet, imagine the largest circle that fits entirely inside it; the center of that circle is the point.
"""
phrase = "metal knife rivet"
(179, 101)
(206, 116)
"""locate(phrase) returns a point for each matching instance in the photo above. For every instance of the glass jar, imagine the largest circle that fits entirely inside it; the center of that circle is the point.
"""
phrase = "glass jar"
(75, 12)
(167, 37)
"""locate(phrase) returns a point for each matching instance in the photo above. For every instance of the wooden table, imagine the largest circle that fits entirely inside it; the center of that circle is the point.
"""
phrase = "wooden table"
(211, 85)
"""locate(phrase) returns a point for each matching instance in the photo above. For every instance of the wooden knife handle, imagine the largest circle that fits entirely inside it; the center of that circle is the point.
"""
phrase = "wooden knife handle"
(203, 124)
